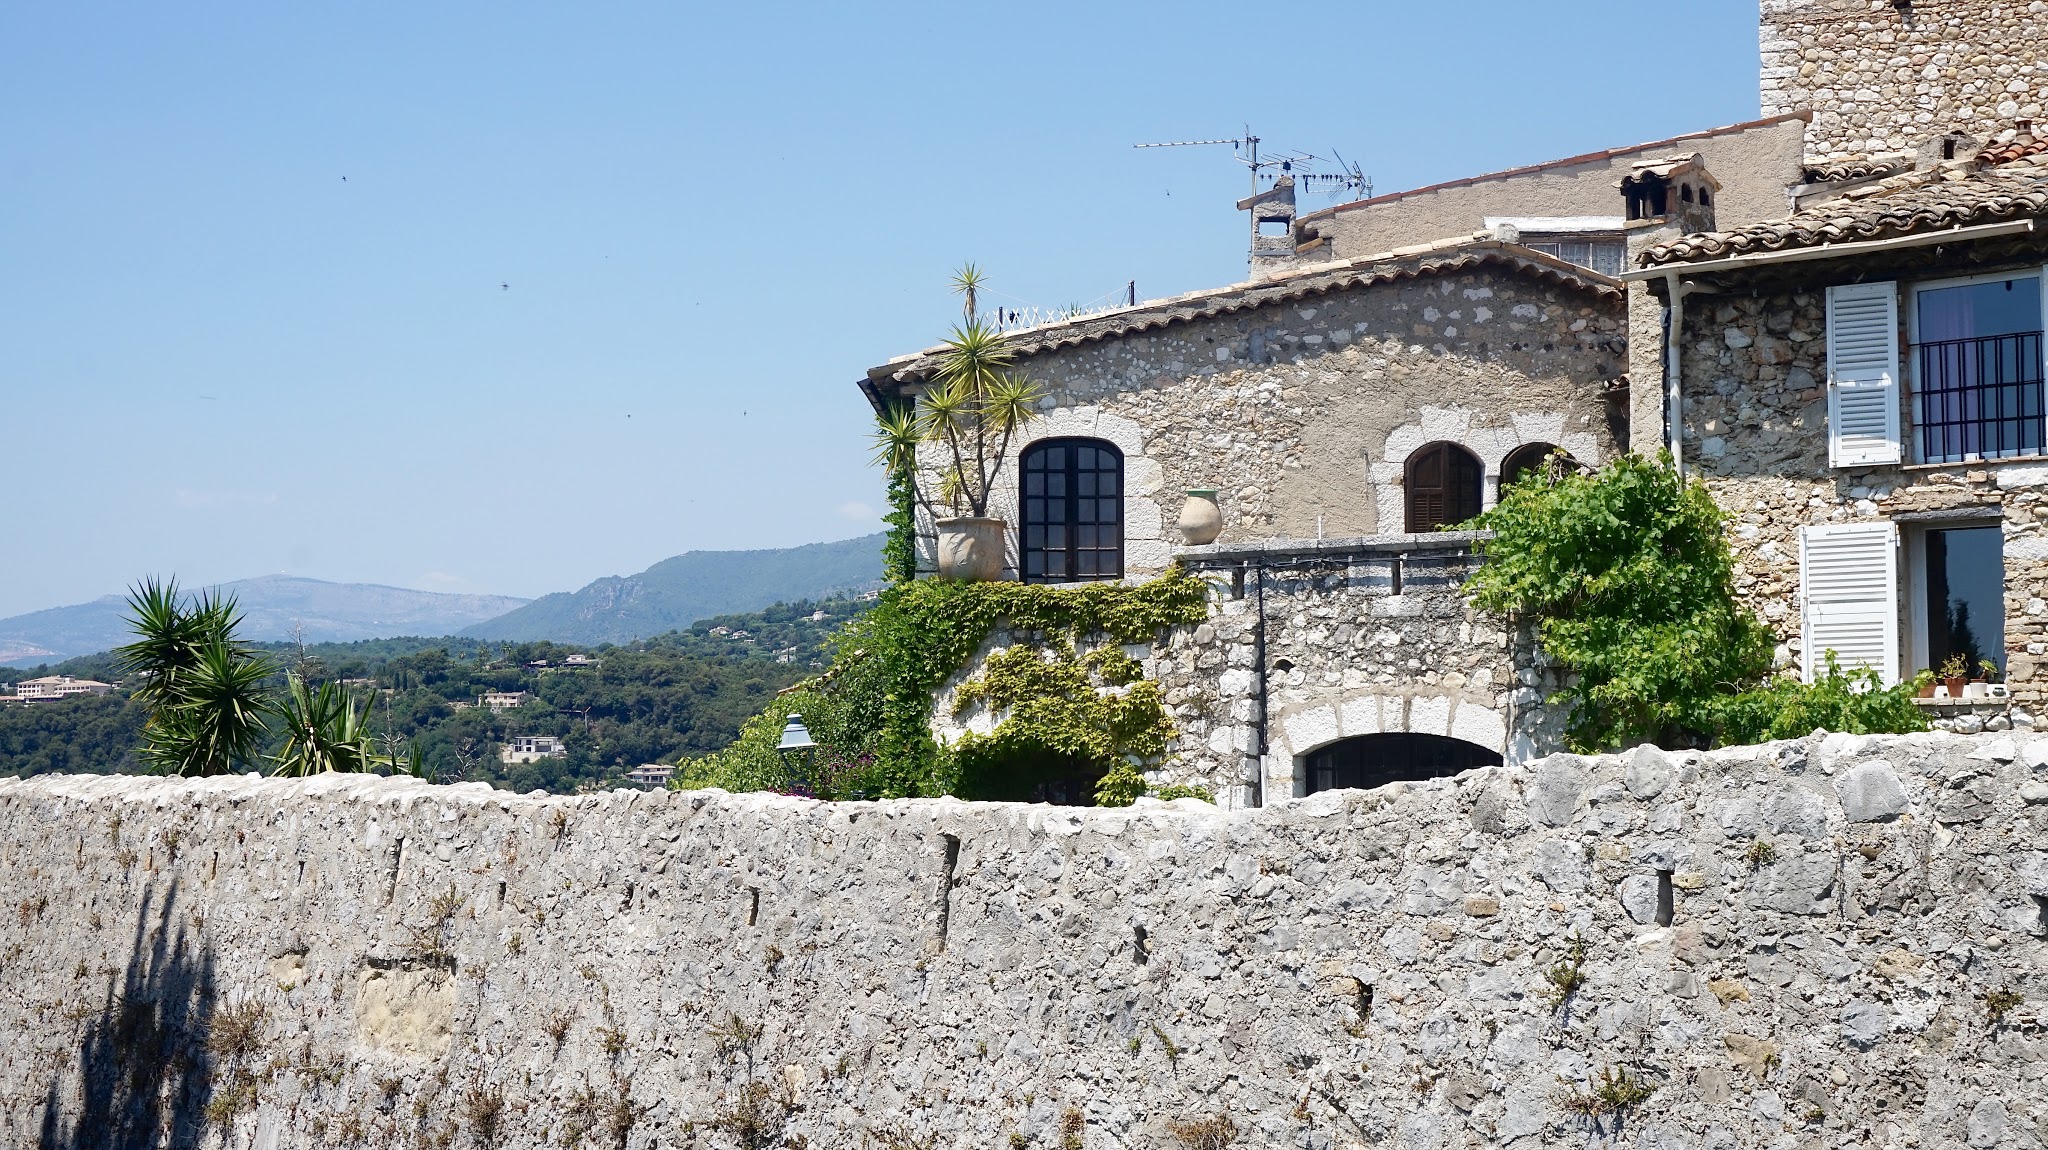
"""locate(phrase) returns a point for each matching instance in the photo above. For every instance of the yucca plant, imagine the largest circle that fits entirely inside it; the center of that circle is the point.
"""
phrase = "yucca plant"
(324, 730)
(973, 409)
(205, 690)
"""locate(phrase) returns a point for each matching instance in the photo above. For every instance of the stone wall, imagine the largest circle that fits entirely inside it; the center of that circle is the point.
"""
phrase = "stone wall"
(1333, 649)
(1302, 414)
(1754, 162)
(361, 962)
(1755, 372)
(1882, 76)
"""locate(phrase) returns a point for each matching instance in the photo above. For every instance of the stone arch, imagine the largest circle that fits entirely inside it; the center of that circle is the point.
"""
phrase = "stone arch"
(1491, 442)
(1299, 730)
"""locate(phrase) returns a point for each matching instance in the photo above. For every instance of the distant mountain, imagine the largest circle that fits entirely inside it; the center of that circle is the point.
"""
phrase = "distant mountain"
(675, 593)
(271, 607)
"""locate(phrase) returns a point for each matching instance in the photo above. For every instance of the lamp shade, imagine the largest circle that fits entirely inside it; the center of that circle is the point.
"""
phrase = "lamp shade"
(795, 736)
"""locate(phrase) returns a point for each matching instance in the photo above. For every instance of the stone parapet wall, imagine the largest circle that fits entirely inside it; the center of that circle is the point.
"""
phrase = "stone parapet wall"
(1883, 76)
(364, 962)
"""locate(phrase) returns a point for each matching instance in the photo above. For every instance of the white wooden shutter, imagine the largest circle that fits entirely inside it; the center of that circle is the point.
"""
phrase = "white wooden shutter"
(1848, 589)
(1863, 375)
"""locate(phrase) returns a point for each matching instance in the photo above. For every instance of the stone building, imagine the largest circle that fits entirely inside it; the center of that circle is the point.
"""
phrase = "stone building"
(1392, 362)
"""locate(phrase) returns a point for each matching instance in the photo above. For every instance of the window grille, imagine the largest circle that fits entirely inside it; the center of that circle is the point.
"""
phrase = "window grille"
(1073, 511)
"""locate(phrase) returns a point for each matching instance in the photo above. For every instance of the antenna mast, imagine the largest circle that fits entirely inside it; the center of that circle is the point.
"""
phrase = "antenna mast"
(1347, 178)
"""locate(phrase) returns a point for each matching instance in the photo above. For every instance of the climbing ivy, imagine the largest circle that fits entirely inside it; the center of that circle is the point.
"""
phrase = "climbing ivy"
(899, 548)
(1060, 710)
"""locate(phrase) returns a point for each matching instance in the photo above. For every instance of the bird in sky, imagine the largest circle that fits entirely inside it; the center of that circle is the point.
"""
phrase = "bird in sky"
(504, 287)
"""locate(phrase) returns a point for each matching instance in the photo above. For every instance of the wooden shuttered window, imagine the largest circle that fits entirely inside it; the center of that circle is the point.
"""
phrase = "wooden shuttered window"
(1863, 375)
(1849, 600)
(1442, 487)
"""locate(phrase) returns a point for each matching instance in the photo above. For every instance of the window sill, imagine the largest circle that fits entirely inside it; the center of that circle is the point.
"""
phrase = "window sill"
(1974, 464)
(1949, 705)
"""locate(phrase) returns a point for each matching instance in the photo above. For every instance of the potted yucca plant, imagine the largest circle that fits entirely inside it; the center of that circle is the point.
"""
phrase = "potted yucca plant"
(970, 414)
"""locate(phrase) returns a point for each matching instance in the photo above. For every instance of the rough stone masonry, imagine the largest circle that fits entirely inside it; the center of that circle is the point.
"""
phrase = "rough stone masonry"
(1856, 955)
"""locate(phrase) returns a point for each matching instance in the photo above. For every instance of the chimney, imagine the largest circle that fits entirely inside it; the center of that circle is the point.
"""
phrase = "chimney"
(1664, 199)
(1272, 227)
(1676, 191)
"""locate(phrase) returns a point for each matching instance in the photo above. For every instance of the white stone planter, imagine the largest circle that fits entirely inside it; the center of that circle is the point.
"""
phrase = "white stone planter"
(971, 548)
(1201, 520)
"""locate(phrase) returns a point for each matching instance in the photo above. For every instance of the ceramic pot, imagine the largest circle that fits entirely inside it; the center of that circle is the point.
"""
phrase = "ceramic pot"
(1926, 691)
(1976, 689)
(1955, 687)
(1201, 520)
(971, 548)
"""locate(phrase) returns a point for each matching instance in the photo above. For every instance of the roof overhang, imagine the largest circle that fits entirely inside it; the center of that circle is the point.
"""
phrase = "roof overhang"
(1956, 234)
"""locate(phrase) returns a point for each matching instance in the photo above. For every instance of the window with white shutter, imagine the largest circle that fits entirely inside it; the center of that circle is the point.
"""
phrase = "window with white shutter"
(1863, 375)
(1849, 604)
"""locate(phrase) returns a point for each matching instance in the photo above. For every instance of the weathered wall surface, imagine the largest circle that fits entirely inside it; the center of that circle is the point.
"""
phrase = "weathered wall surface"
(1302, 414)
(1755, 372)
(1349, 649)
(1755, 163)
(1886, 77)
(383, 963)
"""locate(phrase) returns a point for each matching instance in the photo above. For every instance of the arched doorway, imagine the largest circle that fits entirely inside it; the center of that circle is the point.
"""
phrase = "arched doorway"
(1375, 760)
(1442, 485)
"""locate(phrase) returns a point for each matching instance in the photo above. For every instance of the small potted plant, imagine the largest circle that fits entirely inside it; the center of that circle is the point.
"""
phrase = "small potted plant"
(1980, 687)
(1955, 671)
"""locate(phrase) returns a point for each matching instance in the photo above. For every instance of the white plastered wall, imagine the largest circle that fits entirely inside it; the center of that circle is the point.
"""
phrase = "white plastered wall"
(1491, 443)
(1146, 549)
(1300, 729)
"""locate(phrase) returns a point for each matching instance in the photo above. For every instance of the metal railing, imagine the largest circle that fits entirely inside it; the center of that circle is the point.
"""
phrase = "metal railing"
(1980, 398)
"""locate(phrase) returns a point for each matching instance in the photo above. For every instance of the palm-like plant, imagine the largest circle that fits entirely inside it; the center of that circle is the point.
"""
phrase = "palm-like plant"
(967, 284)
(324, 730)
(974, 408)
(205, 690)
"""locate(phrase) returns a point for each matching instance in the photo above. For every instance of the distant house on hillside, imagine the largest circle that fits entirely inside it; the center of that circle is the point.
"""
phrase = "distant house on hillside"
(502, 700)
(580, 661)
(58, 687)
(528, 748)
(653, 776)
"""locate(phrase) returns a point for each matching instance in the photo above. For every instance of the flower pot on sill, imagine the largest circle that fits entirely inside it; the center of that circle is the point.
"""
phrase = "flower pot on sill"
(1955, 686)
(1201, 520)
(1926, 691)
(1976, 689)
(971, 548)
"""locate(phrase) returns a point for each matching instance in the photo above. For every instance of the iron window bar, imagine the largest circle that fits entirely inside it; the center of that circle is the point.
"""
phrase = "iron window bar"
(1980, 398)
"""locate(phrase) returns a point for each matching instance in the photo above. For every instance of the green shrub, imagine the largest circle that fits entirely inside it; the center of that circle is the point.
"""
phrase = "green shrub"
(1853, 702)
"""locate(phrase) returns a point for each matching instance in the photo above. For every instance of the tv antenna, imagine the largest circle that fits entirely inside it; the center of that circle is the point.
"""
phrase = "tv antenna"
(1301, 165)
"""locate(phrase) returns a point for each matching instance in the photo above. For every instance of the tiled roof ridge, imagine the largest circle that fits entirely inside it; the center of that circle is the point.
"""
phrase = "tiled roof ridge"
(1411, 262)
(2009, 181)
(1568, 161)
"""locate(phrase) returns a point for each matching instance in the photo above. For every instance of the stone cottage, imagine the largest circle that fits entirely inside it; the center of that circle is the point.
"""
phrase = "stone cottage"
(1392, 362)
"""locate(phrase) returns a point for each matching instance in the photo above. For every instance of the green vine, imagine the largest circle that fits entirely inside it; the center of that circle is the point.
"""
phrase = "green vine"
(1061, 711)
(899, 550)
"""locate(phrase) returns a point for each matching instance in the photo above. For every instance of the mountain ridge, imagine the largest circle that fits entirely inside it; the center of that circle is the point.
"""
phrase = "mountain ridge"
(683, 589)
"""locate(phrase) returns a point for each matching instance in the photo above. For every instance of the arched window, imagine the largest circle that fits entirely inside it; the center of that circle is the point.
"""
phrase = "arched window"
(1375, 760)
(1073, 502)
(1443, 487)
(1523, 461)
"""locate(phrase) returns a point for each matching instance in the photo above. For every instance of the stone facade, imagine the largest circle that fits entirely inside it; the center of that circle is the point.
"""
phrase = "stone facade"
(1793, 944)
(1882, 77)
(1755, 377)
(1302, 413)
(1310, 642)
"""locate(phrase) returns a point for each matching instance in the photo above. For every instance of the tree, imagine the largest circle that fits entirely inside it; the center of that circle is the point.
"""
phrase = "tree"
(1626, 576)
(204, 688)
(324, 730)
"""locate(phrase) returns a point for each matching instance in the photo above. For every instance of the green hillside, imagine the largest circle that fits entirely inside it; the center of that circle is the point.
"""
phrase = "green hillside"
(682, 693)
(675, 593)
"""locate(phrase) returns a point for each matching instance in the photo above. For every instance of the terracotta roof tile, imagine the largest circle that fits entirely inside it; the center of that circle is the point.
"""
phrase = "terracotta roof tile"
(1953, 194)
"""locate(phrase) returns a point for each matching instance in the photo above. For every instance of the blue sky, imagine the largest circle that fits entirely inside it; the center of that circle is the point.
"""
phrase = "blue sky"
(508, 297)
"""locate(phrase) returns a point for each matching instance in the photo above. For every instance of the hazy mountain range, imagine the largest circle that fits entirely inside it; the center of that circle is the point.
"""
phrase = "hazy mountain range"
(694, 585)
(673, 593)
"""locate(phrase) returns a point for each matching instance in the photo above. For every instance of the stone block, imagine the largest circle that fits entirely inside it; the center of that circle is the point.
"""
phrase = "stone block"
(1871, 792)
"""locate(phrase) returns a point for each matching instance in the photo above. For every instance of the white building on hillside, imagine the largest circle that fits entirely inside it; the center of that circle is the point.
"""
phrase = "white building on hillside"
(528, 748)
(59, 687)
